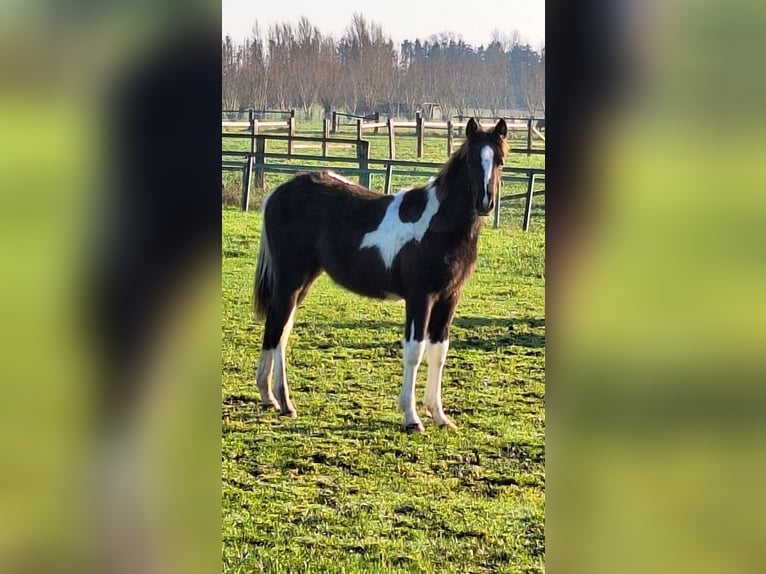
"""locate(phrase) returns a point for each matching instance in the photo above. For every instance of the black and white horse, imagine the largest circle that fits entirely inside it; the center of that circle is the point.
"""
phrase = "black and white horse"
(418, 245)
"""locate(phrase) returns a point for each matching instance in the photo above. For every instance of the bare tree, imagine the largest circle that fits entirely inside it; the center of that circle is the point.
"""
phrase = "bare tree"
(279, 73)
(229, 73)
(414, 80)
(495, 68)
(252, 85)
(369, 59)
(534, 90)
(305, 58)
(298, 66)
(533, 84)
(330, 76)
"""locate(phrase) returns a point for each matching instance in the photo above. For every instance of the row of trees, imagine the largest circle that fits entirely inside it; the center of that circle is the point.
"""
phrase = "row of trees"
(298, 66)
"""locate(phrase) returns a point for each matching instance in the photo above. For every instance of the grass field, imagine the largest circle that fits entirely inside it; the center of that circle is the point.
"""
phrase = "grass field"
(342, 488)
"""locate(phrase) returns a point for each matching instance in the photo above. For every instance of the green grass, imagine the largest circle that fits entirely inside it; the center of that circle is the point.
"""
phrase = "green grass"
(342, 488)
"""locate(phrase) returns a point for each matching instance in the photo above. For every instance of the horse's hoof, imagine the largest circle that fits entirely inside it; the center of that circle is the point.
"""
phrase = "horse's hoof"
(446, 424)
(414, 428)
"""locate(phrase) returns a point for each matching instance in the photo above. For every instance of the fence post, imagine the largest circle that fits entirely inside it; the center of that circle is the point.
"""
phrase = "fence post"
(363, 155)
(497, 204)
(528, 206)
(244, 201)
(290, 134)
(391, 139)
(334, 122)
(359, 128)
(389, 174)
(325, 135)
(450, 138)
(529, 136)
(419, 132)
(248, 167)
(251, 119)
(377, 119)
(260, 159)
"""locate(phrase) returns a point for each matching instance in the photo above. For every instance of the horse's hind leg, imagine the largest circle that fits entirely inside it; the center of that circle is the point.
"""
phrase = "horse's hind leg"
(279, 323)
(263, 379)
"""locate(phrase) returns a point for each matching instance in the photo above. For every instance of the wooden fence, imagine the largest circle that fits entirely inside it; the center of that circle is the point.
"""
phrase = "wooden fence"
(256, 122)
(375, 117)
(254, 164)
(450, 127)
(255, 125)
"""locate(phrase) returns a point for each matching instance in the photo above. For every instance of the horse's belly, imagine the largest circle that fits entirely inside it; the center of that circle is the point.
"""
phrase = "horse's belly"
(356, 284)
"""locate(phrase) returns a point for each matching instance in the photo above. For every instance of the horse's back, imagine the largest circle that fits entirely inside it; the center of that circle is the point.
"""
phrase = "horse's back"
(323, 186)
(320, 202)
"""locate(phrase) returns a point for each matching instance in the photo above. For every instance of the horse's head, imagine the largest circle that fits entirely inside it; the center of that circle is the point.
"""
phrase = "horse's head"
(485, 154)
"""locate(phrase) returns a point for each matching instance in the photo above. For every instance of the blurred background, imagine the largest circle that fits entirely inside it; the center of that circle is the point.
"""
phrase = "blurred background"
(110, 290)
(657, 275)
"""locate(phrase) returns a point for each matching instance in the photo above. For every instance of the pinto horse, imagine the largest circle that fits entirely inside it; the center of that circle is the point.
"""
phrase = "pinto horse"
(418, 245)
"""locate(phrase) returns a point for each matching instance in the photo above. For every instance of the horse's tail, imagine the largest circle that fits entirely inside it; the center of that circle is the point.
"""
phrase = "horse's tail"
(263, 288)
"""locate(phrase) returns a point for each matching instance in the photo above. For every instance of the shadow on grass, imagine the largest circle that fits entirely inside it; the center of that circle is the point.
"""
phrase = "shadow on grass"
(314, 429)
(459, 322)
(506, 334)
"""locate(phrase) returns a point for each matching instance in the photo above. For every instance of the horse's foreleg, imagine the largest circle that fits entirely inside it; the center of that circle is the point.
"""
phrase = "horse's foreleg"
(279, 323)
(437, 354)
(438, 345)
(414, 345)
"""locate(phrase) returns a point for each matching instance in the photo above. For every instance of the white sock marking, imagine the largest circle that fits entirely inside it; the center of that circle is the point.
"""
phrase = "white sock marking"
(413, 355)
(280, 375)
(281, 389)
(487, 159)
(392, 233)
(437, 354)
(263, 376)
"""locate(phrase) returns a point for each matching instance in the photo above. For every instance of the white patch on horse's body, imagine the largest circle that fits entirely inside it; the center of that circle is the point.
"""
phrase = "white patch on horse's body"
(339, 177)
(487, 159)
(392, 233)
(413, 354)
(437, 355)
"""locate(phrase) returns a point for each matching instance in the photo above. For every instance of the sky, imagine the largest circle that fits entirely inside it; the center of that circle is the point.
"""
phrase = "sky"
(400, 19)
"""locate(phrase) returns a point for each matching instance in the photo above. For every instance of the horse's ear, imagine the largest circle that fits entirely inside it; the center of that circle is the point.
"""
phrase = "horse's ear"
(472, 128)
(501, 128)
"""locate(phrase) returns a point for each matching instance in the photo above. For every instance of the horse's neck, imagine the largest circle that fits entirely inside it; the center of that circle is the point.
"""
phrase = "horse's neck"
(457, 212)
